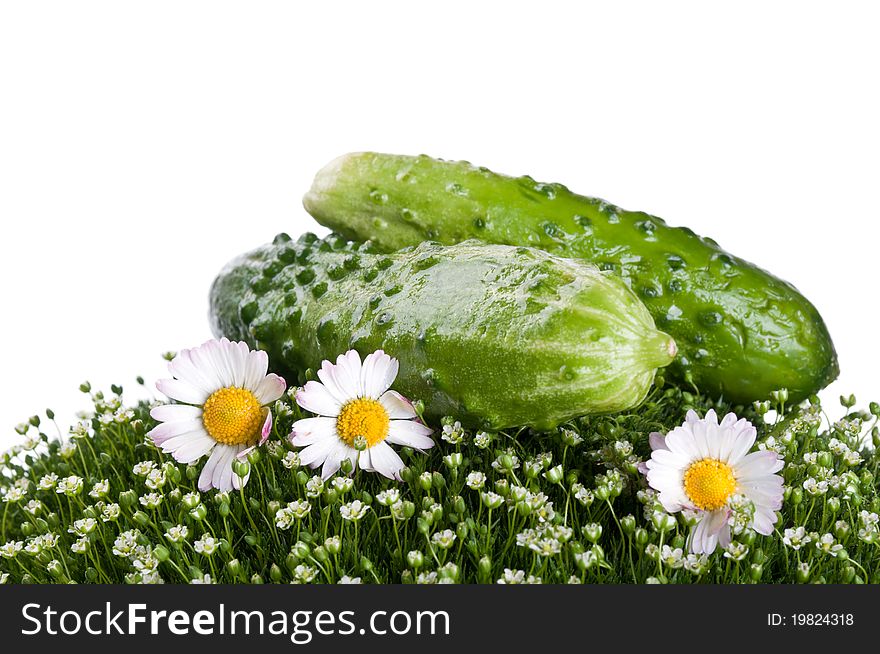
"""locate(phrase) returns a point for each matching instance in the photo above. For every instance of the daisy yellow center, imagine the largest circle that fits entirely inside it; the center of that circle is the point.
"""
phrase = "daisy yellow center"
(709, 483)
(233, 416)
(363, 417)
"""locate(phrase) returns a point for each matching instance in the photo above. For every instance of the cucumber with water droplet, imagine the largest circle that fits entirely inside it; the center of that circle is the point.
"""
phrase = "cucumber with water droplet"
(741, 332)
(495, 335)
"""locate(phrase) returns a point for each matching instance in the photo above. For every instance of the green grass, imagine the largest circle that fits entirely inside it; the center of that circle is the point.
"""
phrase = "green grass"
(574, 494)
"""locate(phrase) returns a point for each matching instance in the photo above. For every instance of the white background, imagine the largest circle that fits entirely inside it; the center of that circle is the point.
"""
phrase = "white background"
(142, 145)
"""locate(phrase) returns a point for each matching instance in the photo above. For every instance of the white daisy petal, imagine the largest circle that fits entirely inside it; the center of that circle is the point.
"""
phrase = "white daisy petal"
(386, 461)
(207, 475)
(378, 373)
(764, 521)
(222, 477)
(161, 433)
(410, 433)
(327, 375)
(204, 360)
(397, 406)
(215, 351)
(334, 458)
(171, 412)
(270, 389)
(657, 441)
(365, 461)
(348, 374)
(256, 366)
(315, 397)
(746, 435)
(189, 447)
(181, 391)
(183, 368)
(314, 455)
(758, 464)
(310, 430)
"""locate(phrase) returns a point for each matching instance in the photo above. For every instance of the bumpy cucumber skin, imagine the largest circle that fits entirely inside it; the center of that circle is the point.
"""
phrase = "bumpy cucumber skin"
(741, 332)
(497, 336)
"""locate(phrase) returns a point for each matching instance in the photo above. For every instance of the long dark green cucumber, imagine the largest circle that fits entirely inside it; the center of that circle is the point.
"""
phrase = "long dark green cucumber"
(497, 336)
(741, 332)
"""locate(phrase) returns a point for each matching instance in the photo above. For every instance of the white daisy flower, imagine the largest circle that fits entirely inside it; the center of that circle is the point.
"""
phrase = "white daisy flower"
(703, 464)
(357, 414)
(224, 391)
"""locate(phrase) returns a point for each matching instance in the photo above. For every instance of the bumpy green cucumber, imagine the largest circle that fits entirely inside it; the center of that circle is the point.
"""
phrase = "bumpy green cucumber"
(497, 336)
(741, 332)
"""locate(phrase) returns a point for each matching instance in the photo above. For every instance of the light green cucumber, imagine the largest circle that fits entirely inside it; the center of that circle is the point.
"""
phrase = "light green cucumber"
(495, 335)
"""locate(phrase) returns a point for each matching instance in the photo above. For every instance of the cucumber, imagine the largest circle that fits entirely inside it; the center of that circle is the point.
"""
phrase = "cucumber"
(497, 336)
(741, 332)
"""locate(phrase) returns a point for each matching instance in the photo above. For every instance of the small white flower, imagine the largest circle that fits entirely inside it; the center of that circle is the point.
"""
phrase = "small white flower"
(582, 494)
(110, 513)
(81, 546)
(13, 496)
(11, 548)
(388, 497)
(827, 544)
(453, 434)
(205, 579)
(100, 489)
(67, 449)
(4, 576)
(82, 429)
(795, 538)
(126, 542)
(491, 500)
(512, 577)
(506, 462)
(177, 533)
(426, 578)
(353, 511)
(443, 539)
(869, 518)
(155, 479)
(357, 417)
(70, 486)
(291, 460)
(143, 468)
(672, 557)
(206, 545)
(223, 391)
(349, 580)
(736, 551)
(151, 500)
(33, 507)
(83, 526)
(814, 487)
(30, 442)
(476, 480)
(697, 564)
(482, 440)
(702, 464)
(191, 500)
(314, 486)
(304, 574)
(342, 484)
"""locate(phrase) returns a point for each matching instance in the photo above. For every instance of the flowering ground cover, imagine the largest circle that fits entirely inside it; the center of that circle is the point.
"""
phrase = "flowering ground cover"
(241, 479)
